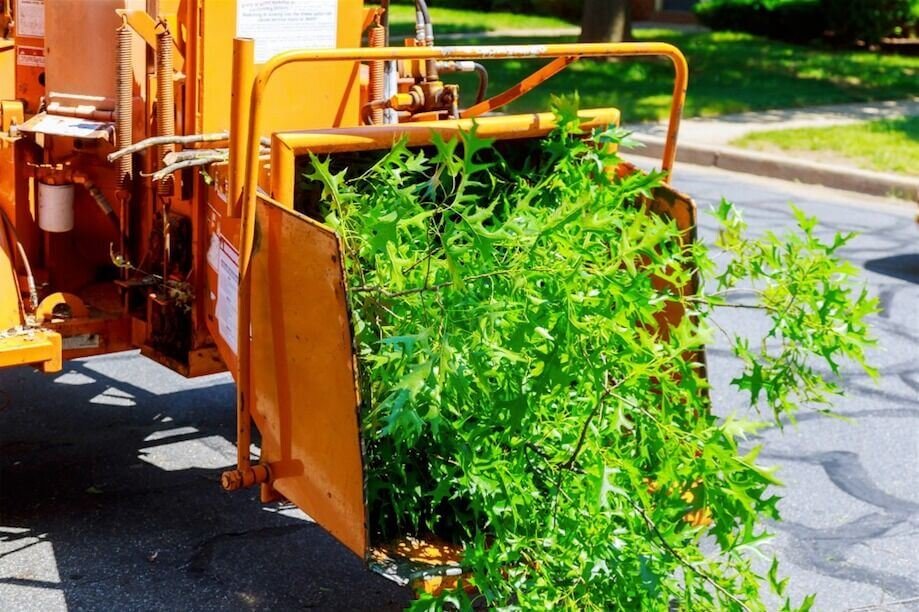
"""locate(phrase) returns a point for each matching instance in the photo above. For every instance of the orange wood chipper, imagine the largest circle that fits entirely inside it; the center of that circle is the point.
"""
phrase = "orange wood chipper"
(147, 188)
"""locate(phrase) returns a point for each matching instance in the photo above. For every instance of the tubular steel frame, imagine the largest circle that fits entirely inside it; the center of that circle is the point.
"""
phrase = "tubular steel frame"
(247, 124)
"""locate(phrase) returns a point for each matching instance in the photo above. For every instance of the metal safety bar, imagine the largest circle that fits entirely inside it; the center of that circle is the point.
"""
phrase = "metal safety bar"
(246, 125)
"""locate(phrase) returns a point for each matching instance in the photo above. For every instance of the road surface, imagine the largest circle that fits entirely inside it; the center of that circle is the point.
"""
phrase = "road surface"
(109, 495)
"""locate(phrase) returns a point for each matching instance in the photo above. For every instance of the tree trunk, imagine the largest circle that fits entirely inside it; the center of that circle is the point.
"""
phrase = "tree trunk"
(606, 21)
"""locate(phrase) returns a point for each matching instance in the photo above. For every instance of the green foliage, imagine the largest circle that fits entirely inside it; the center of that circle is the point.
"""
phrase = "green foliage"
(849, 21)
(815, 316)
(865, 20)
(523, 398)
(791, 20)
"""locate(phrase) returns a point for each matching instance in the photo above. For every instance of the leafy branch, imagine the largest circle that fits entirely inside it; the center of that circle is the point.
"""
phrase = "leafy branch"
(551, 418)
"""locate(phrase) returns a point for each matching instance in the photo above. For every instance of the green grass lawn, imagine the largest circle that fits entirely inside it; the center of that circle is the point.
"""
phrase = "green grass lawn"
(887, 145)
(729, 72)
(447, 20)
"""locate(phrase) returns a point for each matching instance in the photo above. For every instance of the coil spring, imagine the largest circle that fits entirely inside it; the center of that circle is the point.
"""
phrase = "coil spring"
(376, 37)
(165, 102)
(125, 99)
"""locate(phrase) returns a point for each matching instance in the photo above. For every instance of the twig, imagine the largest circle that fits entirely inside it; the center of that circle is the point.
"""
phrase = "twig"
(577, 449)
(749, 306)
(188, 163)
(666, 545)
(438, 286)
(158, 140)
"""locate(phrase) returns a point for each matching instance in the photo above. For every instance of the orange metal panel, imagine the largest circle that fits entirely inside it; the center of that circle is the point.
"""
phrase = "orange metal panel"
(79, 50)
(304, 395)
(7, 70)
(10, 301)
(309, 96)
(30, 71)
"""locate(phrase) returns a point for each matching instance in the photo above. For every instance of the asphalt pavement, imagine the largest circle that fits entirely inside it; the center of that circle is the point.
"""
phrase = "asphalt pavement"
(109, 494)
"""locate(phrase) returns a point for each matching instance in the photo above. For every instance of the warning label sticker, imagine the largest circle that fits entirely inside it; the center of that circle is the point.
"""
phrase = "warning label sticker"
(283, 25)
(227, 310)
(30, 18)
(30, 56)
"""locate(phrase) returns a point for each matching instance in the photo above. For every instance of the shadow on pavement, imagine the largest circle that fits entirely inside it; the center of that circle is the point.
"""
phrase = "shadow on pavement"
(904, 266)
(110, 499)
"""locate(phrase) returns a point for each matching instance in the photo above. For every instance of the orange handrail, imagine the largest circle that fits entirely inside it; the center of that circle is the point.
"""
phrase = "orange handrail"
(248, 189)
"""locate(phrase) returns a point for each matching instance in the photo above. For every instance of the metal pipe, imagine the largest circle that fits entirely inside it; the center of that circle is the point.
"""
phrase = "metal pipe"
(244, 129)
(124, 109)
(82, 112)
(243, 69)
(568, 52)
(154, 141)
(165, 101)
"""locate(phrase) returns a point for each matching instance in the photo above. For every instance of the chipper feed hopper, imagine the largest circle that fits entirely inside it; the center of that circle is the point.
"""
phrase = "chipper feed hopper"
(148, 155)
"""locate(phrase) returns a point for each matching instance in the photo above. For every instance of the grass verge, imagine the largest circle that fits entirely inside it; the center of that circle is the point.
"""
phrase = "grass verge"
(886, 145)
(448, 20)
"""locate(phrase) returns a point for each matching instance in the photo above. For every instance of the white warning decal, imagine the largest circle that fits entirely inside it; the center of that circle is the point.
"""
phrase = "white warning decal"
(227, 310)
(283, 25)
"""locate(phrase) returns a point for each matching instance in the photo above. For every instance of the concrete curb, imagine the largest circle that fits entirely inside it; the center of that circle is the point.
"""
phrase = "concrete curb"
(787, 168)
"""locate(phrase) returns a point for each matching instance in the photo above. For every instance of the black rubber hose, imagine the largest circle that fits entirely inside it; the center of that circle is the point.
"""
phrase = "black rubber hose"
(483, 81)
(384, 21)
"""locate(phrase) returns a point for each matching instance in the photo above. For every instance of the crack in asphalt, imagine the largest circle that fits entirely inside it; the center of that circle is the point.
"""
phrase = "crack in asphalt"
(203, 555)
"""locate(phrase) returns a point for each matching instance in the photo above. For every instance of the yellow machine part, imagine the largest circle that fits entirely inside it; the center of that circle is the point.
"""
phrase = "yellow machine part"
(20, 344)
(7, 69)
(10, 295)
(39, 347)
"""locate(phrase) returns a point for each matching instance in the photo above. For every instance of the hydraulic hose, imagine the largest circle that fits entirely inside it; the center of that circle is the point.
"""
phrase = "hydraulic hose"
(422, 7)
(30, 278)
(483, 81)
(384, 21)
(424, 29)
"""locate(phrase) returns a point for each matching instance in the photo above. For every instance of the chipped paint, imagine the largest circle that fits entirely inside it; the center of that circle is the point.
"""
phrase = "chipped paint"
(501, 51)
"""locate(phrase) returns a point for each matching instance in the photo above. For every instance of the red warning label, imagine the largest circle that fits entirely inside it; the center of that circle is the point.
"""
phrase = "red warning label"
(30, 56)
